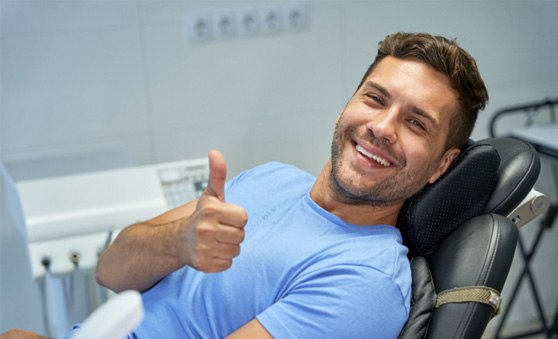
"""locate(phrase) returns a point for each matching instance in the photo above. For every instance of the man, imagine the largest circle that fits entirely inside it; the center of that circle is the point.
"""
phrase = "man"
(320, 256)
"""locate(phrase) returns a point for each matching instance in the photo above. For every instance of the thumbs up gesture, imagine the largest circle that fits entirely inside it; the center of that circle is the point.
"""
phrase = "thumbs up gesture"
(214, 231)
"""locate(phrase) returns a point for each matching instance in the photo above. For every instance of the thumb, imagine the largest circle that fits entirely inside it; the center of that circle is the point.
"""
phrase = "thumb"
(217, 175)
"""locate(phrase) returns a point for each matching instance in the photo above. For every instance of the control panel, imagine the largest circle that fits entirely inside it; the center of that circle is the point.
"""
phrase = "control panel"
(70, 219)
(183, 182)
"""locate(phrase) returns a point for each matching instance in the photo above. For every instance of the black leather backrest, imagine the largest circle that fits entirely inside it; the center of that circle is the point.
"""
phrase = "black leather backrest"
(462, 193)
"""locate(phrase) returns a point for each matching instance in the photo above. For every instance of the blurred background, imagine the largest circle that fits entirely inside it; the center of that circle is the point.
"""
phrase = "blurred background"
(148, 82)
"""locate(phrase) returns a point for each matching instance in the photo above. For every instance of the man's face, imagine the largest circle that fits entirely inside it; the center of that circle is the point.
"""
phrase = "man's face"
(389, 140)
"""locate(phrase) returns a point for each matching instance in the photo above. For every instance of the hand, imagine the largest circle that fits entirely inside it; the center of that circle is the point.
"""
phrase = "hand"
(215, 230)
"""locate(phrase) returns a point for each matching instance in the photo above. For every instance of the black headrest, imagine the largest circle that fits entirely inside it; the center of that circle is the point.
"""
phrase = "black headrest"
(462, 193)
(519, 170)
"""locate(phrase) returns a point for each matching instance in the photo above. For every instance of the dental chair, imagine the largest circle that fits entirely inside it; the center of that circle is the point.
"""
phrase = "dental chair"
(461, 239)
(462, 233)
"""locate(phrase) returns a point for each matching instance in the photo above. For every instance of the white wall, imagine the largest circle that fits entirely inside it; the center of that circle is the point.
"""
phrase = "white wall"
(87, 76)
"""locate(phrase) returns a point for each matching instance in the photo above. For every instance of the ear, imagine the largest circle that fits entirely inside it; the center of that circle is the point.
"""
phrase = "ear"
(447, 159)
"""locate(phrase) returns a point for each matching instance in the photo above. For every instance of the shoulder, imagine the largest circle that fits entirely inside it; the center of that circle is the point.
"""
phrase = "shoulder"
(378, 247)
(375, 254)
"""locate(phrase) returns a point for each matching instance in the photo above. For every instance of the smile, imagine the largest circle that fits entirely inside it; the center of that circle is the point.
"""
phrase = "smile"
(371, 156)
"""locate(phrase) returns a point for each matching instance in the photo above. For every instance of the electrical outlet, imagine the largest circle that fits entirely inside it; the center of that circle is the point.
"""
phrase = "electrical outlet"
(271, 18)
(224, 24)
(295, 17)
(248, 22)
(198, 26)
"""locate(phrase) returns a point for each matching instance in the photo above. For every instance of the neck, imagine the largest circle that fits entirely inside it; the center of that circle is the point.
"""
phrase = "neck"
(361, 215)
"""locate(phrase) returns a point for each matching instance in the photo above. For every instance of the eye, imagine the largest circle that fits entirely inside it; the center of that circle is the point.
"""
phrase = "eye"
(417, 123)
(376, 98)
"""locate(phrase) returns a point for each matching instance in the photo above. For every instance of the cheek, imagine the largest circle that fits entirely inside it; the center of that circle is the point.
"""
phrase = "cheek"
(421, 157)
(354, 112)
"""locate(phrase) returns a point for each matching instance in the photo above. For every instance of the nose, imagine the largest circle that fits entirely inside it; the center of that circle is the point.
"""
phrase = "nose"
(384, 125)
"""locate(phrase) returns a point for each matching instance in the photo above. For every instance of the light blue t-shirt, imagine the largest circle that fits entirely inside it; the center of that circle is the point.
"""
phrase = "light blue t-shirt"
(302, 272)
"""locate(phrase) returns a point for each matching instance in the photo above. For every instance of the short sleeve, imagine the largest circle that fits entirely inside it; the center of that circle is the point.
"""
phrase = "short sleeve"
(346, 301)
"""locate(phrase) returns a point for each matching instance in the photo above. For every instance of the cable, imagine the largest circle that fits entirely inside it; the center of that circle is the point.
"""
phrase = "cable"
(43, 291)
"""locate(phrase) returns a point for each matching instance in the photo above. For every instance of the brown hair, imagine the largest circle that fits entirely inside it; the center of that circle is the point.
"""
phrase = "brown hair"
(446, 57)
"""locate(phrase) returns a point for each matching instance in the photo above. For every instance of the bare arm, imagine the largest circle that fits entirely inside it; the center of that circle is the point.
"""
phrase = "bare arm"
(143, 253)
(204, 234)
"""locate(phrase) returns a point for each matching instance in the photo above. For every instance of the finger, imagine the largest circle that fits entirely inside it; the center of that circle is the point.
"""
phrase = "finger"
(233, 215)
(216, 265)
(230, 235)
(217, 175)
(227, 251)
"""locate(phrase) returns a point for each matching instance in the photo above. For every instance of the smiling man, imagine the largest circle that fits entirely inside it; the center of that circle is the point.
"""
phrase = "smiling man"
(321, 257)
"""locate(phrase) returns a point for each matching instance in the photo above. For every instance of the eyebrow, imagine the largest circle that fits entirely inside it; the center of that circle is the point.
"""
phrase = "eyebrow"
(378, 87)
(416, 110)
(426, 115)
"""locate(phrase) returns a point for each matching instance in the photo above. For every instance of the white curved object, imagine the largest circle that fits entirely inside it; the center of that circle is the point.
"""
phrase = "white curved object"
(115, 319)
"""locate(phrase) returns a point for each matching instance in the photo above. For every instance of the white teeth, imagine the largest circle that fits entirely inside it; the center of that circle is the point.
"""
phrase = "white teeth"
(377, 159)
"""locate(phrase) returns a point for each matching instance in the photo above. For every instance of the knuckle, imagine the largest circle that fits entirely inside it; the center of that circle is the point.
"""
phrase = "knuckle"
(202, 250)
(205, 230)
(207, 210)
